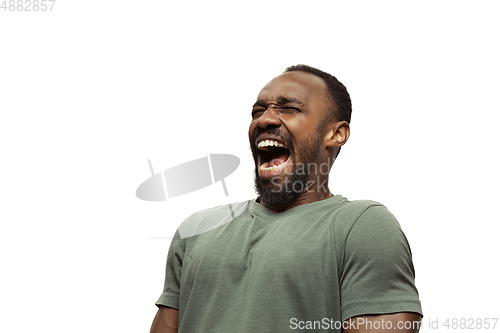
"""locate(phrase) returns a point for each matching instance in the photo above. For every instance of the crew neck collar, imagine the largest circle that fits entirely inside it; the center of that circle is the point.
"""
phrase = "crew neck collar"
(261, 210)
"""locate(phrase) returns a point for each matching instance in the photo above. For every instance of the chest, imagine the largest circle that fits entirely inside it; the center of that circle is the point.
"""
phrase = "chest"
(281, 254)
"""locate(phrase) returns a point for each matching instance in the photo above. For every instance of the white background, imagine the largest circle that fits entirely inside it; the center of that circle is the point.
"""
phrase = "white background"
(92, 89)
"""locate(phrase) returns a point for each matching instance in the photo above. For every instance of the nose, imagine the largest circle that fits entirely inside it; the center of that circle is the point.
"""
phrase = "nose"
(270, 117)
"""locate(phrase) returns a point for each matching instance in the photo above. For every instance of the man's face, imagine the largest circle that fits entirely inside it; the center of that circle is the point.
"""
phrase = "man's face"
(286, 135)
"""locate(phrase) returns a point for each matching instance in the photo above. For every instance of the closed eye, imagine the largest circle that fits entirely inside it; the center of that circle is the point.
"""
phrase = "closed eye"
(288, 108)
(291, 108)
(255, 111)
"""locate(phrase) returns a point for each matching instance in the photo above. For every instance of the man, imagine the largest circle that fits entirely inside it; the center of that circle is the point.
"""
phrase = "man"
(297, 257)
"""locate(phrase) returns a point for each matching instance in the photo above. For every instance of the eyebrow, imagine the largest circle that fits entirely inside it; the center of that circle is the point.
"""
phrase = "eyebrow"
(281, 100)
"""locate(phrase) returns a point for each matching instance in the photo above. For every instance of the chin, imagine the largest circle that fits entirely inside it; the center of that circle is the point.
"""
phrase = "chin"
(276, 193)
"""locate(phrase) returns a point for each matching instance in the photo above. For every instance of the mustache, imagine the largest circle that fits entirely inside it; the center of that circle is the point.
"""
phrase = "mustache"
(273, 131)
(277, 132)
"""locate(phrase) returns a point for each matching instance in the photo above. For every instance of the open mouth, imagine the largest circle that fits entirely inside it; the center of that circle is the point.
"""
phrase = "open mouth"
(272, 157)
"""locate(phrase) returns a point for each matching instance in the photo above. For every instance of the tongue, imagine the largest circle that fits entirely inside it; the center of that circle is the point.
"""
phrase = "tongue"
(277, 160)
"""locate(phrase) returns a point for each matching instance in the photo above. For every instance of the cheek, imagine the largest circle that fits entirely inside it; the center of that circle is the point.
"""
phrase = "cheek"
(298, 125)
(289, 167)
(251, 134)
(251, 130)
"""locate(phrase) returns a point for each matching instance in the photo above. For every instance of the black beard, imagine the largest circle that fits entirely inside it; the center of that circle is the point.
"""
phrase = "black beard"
(279, 196)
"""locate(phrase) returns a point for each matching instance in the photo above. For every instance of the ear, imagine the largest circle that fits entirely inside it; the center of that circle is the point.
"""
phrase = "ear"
(337, 134)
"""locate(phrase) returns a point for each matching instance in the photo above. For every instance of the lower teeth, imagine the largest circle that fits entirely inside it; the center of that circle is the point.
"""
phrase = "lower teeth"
(265, 166)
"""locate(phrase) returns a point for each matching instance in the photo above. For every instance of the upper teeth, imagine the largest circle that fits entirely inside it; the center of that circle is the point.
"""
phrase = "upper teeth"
(267, 143)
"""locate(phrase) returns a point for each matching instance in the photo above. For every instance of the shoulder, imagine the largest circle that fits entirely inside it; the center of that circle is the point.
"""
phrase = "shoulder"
(371, 231)
(363, 221)
(208, 219)
(357, 207)
(350, 212)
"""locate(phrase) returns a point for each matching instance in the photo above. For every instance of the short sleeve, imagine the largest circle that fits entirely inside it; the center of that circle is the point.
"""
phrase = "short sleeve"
(171, 289)
(377, 274)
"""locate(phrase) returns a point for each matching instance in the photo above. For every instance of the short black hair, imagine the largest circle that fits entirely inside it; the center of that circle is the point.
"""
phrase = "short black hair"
(342, 107)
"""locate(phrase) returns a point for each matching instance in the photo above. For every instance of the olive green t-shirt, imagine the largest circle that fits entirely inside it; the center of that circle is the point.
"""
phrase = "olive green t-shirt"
(244, 268)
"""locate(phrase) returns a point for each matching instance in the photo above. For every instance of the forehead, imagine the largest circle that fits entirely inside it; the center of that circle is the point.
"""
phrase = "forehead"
(304, 86)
